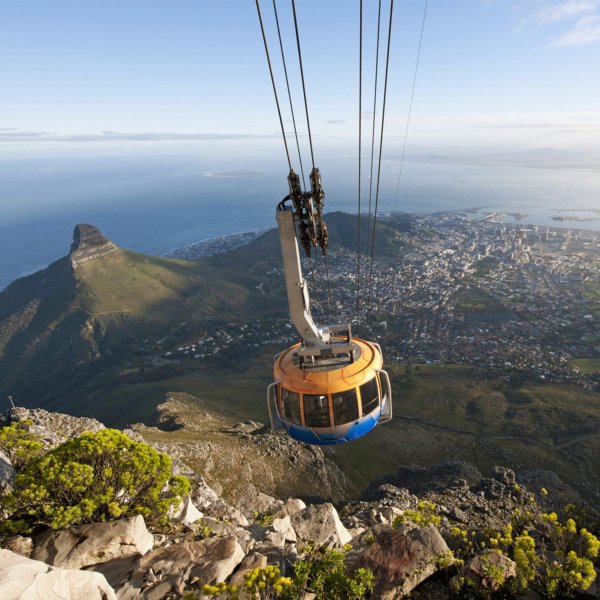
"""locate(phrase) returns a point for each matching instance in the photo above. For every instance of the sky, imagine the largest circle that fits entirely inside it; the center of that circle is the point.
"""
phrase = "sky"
(155, 119)
(494, 74)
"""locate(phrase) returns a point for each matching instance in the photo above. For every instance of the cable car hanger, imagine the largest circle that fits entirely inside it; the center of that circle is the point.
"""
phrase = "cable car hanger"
(329, 388)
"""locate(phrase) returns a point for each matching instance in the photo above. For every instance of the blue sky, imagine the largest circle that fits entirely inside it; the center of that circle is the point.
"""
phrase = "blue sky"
(493, 73)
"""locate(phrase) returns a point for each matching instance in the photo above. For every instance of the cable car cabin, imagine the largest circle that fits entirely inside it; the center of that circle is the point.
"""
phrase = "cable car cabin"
(330, 405)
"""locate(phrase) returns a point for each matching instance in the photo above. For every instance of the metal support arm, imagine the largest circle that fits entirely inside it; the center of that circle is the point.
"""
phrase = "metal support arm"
(297, 288)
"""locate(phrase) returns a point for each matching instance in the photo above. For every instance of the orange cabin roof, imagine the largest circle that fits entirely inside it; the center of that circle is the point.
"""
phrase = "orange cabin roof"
(307, 381)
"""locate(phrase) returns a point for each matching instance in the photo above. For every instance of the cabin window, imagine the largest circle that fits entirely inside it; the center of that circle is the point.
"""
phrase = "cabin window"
(345, 407)
(290, 402)
(369, 393)
(316, 411)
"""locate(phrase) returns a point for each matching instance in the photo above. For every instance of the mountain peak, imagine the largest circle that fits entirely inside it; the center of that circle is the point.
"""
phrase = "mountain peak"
(89, 244)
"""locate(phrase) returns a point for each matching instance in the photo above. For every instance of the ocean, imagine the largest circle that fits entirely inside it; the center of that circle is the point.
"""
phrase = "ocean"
(156, 202)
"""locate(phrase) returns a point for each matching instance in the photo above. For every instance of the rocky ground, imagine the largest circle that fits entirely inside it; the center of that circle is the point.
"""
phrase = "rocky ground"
(403, 529)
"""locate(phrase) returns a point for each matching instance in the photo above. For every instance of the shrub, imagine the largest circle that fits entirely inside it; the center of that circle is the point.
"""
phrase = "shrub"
(94, 477)
(19, 444)
(556, 563)
(259, 584)
(323, 573)
(424, 515)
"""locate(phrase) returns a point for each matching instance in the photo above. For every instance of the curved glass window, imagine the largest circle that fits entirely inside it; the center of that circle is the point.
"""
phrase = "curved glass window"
(369, 394)
(316, 411)
(345, 406)
(290, 404)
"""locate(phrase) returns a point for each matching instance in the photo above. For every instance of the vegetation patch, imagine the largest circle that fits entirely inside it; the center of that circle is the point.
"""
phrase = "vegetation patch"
(91, 478)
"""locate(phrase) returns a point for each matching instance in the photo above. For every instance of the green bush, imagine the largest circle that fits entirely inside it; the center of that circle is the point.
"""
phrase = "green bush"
(94, 477)
(555, 564)
(19, 444)
(323, 573)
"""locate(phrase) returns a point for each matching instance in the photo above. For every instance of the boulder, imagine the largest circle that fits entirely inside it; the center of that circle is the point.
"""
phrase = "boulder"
(19, 545)
(25, 579)
(186, 513)
(320, 523)
(211, 505)
(401, 559)
(257, 502)
(250, 562)
(283, 525)
(489, 570)
(168, 569)
(84, 545)
(292, 506)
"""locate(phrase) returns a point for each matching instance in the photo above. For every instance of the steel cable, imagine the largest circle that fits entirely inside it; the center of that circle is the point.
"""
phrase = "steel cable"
(385, 80)
(412, 95)
(262, 28)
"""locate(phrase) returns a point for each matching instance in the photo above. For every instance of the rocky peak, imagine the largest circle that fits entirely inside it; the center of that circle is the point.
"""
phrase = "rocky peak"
(89, 244)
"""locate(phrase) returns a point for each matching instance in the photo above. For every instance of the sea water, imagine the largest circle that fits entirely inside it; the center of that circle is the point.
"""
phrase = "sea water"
(154, 203)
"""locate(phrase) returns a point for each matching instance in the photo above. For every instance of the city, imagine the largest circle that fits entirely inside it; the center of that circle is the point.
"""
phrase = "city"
(506, 299)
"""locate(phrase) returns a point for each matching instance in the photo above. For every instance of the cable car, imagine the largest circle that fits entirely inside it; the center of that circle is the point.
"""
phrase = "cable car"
(330, 388)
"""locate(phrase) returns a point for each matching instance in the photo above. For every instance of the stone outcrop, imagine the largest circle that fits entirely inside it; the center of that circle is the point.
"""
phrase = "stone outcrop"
(490, 570)
(167, 570)
(402, 558)
(210, 541)
(25, 579)
(210, 504)
(89, 244)
(320, 523)
(84, 545)
(186, 513)
(53, 428)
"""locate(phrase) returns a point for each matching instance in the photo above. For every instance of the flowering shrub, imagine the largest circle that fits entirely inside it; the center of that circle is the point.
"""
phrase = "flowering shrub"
(90, 478)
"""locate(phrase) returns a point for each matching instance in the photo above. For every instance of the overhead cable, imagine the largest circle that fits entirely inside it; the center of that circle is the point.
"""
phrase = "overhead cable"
(273, 83)
(287, 83)
(374, 119)
(412, 95)
(385, 80)
(312, 155)
(360, 37)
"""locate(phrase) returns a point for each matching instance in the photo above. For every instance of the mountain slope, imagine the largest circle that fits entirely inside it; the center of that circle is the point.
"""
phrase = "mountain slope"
(77, 313)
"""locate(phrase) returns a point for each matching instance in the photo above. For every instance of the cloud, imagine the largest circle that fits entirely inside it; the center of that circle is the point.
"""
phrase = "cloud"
(585, 32)
(564, 11)
(336, 122)
(238, 173)
(556, 15)
(20, 135)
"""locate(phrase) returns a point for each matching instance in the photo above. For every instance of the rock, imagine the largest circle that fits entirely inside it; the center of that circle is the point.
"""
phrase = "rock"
(25, 579)
(186, 513)
(7, 474)
(320, 524)
(84, 545)
(19, 545)
(420, 480)
(263, 504)
(89, 244)
(292, 506)
(275, 539)
(389, 495)
(505, 476)
(401, 559)
(284, 526)
(211, 505)
(250, 562)
(457, 514)
(207, 561)
(53, 428)
(490, 570)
